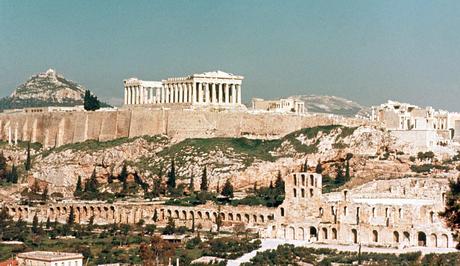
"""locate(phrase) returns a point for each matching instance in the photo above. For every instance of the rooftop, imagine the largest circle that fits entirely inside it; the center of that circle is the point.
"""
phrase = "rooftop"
(49, 256)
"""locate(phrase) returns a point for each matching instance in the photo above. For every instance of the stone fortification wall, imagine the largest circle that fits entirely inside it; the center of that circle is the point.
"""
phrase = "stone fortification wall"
(58, 128)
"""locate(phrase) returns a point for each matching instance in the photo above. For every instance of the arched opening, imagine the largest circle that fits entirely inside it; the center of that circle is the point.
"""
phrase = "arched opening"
(324, 233)
(273, 231)
(313, 233)
(176, 214)
(238, 217)
(295, 179)
(301, 234)
(354, 236)
(302, 192)
(303, 180)
(246, 218)
(184, 215)
(200, 215)
(254, 218)
(321, 211)
(406, 237)
(282, 211)
(396, 237)
(345, 211)
(421, 238)
(375, 236)
(208, 216)
(295, 192)
(345, 193)
(373, 212)
(334, 234)
(311, 192)
(222, 216)
(432, 217)
(312, 180)
(262, 219)
(434, 240)
(444, 241)
(291, 233)
(230, 216)
(169, 213)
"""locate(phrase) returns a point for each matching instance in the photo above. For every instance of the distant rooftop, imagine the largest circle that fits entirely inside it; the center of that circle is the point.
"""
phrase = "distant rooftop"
(49, 256)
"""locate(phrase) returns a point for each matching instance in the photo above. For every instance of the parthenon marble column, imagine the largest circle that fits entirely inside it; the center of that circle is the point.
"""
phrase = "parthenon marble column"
(220, 89)
(227, 96)
(239, 94)
(213, 92)
(200, 92)
(233, 93)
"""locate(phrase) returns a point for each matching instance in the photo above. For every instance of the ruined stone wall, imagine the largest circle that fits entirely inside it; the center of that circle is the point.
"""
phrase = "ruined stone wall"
(58, 128)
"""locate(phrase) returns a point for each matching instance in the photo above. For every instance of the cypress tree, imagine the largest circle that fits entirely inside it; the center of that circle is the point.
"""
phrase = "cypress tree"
(227, 190)
(45, 194)
(155, 216)
(35, 224)
(319, 168)
(204, 180)
(171, 182)
(191, 186)
(124, 173)
(90, 102)
(78, 188)
(28, 163)
(48, 223)
(347, 170)
(71, 219)
(13, 175)
(91, 184)
(279, 184)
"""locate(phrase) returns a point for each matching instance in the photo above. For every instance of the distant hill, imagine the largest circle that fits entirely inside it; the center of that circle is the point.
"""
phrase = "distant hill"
(332, 105)
(45, 89)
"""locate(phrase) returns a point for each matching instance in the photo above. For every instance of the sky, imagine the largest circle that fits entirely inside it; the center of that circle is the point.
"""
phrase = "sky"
(367, 51)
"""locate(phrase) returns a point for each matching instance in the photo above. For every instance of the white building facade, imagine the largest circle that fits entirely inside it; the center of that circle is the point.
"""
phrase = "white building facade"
(207, 89)
(287, 105)
(49, 258)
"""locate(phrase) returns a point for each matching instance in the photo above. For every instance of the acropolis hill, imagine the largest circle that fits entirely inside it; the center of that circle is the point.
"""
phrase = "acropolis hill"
(350, 181)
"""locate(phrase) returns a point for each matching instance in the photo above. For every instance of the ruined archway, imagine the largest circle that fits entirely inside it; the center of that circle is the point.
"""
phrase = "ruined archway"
(395, 237)
(434, 240)
(421, 239)
(313, 233)
(354, 236)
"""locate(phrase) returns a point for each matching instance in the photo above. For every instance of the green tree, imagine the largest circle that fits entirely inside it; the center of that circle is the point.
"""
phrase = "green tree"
(204, 180)
(78, 188)
(227, 190)
(155, 216)
(347, 171)
(451, 213)
(191, 185)
(90, 102)
(279, 184)
(340, 177)
(13, 175)
(170, 227)
(45, 194)
(91, 185)
(71, 219)
(28, 163)
(171, 182)
(319, 168)
(48, 223)
(124, 173)
(35, 224)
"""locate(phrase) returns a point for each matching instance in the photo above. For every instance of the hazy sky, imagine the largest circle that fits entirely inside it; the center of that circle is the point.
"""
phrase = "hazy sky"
(367, 51)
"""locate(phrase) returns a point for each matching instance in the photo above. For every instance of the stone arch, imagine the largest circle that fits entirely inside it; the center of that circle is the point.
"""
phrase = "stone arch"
(169, 213)
(406, 236)
(432, 217)
(222, 216)
(444, 241)
(208, 216)
(230, 216)
(303, 179)
(184, 215)
(176, 214)
(301, 234)
(214, 216)
(313, 233)
(200, 215)
(254, 218)
(354, 236)
(302, 193)
(396, 237)
(261, 218)
(334, 234)
(345, 194)
(294, 178)
(246, 218)
(273, 235)
(312, 180)
(324, 233)
(311, 193)
(238, 217)
(433, 240)
(421, 239)
(290, 233)
(375, 236)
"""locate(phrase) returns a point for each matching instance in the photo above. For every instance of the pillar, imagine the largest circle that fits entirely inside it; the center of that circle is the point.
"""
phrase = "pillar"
(142, 89)
(234, 94)
(227, 96)
(126, 96)
(176, 93)
(181, 93)
(162, 92)
(214, 98)
(166, 94)
(131, 95)
(220, 89)
(193, 92)
(206, 88)
(239, 94)
(186, 93)
(200, 92)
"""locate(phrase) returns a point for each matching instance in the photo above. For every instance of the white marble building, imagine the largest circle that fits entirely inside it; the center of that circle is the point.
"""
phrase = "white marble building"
(215, 88)
(288, 105)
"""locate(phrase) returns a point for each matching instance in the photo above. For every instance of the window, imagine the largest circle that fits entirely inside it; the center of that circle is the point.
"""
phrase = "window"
(386, 212)
(295, 192)
(345, 210)
(282, 212)
(373, 212)
(321, 211)
(375, 236)
(295, 180)
(400, 212)
(311, 192)
(303, 180)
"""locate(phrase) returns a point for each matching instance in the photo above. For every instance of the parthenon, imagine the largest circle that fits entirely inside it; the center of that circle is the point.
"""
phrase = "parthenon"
(209, 88)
